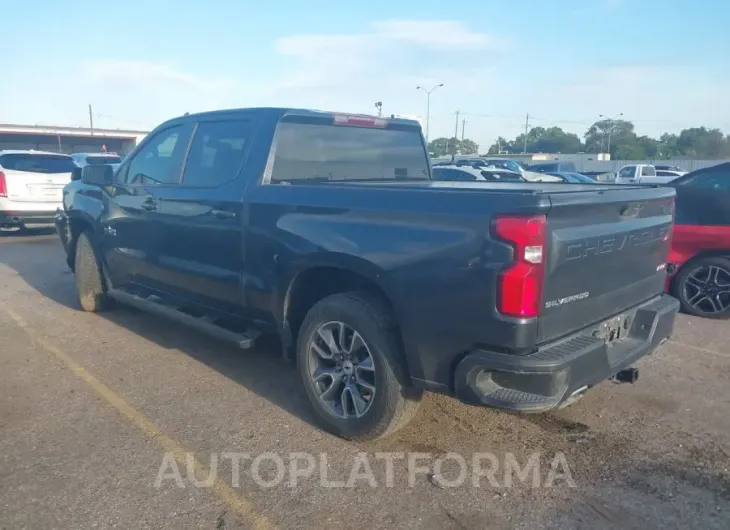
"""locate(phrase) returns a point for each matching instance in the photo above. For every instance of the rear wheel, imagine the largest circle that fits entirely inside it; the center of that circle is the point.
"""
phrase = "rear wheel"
(351, 364)
(703, 287)
(89, 275)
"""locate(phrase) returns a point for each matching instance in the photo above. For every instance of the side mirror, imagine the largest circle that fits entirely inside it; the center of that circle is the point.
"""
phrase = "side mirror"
(98, 175)
(76, 174)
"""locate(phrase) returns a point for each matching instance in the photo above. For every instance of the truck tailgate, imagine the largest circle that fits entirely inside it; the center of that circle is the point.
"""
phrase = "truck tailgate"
(606, 252)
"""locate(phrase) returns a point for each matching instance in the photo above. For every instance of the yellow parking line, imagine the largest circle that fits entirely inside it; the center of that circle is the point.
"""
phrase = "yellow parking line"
(226, 493)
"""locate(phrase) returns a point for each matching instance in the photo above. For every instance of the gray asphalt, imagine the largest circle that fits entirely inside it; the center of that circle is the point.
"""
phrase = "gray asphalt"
(90, 404)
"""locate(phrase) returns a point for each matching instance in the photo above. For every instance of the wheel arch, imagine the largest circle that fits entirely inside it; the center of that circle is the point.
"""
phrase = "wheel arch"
(323, 277)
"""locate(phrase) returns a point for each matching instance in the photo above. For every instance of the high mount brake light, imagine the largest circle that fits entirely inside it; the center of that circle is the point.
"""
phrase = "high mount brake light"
(360, 121)
(519, 289)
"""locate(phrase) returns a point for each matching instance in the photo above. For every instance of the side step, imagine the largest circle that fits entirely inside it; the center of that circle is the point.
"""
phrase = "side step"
(154, 304)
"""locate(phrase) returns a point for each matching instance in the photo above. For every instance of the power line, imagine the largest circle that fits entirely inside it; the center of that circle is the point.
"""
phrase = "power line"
(98, 114)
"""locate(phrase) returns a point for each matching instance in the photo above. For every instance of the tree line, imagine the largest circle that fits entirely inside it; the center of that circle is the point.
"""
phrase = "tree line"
(616, 137)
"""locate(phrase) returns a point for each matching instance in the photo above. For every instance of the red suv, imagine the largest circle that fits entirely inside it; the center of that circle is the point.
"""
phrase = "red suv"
(699, 262)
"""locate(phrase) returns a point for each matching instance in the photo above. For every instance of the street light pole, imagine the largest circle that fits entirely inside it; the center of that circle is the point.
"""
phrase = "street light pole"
(428, 106)
(611, 124)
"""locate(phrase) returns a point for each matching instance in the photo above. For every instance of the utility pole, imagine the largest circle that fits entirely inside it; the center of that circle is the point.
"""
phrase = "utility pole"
(456, 132)
(527, 126)
(91, 121)
(463, 126)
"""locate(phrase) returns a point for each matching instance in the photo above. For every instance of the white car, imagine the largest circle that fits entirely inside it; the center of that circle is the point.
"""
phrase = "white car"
(31, 186)
(645, 174)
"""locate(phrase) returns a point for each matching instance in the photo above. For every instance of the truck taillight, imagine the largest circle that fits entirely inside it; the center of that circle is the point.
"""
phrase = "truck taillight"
(519, 288)
(3, 185)
(360, 121)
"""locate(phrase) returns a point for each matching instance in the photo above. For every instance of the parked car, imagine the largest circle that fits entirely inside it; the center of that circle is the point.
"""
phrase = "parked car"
(83, 159)
(379, 281)
(499, 164)
(675, 169)
(463, 173)
(31, 183)
(644, 174)
(554, 167)
(671, 175)
(573, 178)
(504, 163)
(699, 262)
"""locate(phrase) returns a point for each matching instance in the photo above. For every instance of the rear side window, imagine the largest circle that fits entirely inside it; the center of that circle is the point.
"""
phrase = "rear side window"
(216, 154)
(648, 171)
(313, 152)
(714, 179)
(36, 163)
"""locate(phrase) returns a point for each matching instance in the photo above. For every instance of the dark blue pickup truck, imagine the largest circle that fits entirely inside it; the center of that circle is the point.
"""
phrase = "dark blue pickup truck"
(327, 230)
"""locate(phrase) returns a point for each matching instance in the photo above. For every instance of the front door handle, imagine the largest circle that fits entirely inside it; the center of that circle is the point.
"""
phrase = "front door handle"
(224, 214)
(149, 205)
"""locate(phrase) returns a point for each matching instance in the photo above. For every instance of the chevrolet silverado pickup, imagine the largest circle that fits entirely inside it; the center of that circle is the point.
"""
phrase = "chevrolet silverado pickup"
(327, 230)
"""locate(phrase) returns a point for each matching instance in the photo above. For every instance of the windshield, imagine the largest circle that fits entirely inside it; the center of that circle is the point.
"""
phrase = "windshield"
(100, 160)
(312, 152)
(37, 163)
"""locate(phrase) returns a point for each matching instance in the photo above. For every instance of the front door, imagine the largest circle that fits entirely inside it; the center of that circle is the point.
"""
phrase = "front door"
(131, 228)
(200, 250)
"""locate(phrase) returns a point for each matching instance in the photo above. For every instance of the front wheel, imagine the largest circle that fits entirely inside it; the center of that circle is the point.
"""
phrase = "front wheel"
(351, 364)
(89, 275)
(703, 287)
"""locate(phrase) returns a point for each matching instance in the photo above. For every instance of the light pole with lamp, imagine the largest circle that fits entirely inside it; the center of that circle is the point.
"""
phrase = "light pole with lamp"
(428, 106)
(611, 124)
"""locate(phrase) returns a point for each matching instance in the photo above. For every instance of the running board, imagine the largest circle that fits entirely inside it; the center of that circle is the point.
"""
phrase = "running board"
(154, 304)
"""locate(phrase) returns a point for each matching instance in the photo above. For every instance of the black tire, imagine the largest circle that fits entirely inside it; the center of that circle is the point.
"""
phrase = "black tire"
(683, 287)
(90, 284)
(395, 401)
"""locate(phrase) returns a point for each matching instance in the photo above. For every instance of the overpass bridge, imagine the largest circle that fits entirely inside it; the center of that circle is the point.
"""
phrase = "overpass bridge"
(62, 139)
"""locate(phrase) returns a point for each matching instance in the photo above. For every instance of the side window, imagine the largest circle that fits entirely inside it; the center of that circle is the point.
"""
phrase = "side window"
(648, 171)
(160, 160)
(464, 176)
(711, 180)
(443, 174)
(216, 153)
(627, 172)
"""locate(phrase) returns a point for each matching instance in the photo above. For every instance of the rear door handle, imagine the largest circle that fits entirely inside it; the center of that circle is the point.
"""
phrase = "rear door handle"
(224, 214)
(149, 205)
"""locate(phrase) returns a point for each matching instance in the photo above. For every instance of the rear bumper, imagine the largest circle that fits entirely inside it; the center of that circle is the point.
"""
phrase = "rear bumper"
(550, 377)
(23, 217)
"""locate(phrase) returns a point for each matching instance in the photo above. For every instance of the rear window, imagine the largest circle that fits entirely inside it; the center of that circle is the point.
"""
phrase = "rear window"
(37, 163)
(101, 160)
(315, 153)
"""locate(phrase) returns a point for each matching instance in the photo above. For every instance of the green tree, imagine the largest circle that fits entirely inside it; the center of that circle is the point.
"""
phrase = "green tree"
(700, 142)
(620, 132)
(469, 147)
(452, 146)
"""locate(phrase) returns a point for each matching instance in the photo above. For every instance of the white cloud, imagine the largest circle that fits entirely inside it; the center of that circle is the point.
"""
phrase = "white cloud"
(149, 75)
(483, 73)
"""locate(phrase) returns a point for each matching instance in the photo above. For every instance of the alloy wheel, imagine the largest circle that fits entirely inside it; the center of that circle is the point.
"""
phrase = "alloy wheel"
(342, 370)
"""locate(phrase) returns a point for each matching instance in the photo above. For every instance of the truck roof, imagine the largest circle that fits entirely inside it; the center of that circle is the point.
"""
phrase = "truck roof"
(278, 112)
(29, 152)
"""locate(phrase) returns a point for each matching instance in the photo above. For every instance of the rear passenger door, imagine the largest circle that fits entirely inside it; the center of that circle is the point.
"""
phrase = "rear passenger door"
(201, 221)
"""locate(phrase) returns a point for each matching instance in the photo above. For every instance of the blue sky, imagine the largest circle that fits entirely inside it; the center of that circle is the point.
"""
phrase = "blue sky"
(664, 64)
